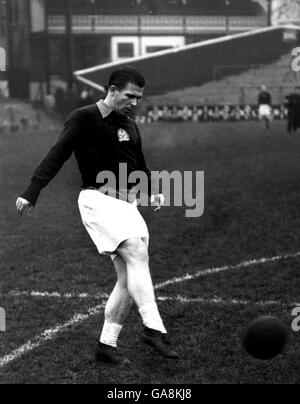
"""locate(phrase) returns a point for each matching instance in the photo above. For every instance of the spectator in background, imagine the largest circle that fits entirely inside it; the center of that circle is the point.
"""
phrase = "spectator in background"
(293, 104)
(226, 112)
(185, 113)
(195, 115)
(284, 111)
(265, 106)
(156, 114)
(276, 113)
(205, 113)
(217, 113)
(248, 112)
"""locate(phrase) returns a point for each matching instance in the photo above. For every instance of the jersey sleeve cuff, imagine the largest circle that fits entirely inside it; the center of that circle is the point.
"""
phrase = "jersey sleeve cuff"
(32, 192)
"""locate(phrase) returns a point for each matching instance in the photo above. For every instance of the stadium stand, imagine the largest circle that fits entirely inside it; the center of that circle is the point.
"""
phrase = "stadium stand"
(238, 89)
(210, 7)
(19, 116)
(160, 7)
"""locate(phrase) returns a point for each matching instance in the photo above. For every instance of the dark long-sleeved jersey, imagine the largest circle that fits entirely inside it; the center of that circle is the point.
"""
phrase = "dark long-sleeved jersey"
(265, 98)
(99, 144)
(293, 102)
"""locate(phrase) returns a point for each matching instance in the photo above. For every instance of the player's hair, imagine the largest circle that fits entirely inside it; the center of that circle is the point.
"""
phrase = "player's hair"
(297, 88)
(125, 75)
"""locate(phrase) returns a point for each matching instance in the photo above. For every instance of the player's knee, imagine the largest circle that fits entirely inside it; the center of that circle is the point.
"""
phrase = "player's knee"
(134, 250)
(139, 252)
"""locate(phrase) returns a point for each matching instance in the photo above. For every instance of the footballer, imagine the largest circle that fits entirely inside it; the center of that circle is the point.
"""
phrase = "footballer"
(102, 136)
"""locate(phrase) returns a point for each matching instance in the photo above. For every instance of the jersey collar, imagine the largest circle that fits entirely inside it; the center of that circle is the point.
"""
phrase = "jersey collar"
(105, 110)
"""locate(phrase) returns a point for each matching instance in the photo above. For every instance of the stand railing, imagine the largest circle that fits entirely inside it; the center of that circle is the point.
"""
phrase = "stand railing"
(108, 24)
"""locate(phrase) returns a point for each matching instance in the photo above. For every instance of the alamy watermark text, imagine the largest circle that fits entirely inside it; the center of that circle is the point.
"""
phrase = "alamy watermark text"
(296, 60)
(2, 60)
(186, 188)
(2, 320)
(296, 321)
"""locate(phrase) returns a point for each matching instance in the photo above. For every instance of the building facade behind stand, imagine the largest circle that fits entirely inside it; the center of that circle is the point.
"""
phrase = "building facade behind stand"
(48, 39)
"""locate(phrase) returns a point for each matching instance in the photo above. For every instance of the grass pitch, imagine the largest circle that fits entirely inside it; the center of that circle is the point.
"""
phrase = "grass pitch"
(252, 204)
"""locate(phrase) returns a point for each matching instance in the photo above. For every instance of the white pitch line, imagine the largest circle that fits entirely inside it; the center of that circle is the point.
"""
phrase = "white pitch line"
(17, 293)
(49, 335)
(162, 285)
(178, 298)
(217, 300)
(212, 271)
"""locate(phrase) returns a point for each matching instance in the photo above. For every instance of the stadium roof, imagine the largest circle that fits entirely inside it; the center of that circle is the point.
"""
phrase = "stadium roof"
(152, 64)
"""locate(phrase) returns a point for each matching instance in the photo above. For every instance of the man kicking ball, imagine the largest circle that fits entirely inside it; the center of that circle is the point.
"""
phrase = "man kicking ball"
(103, 136)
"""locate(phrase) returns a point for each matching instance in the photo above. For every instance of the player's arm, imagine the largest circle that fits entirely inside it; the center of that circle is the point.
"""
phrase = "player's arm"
(157, 198)
(50, 164)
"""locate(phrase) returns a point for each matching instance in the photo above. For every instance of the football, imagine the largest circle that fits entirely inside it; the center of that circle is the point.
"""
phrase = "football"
(265, 338)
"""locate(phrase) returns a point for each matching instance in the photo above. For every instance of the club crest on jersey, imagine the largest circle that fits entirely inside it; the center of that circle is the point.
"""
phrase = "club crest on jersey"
(123, 135)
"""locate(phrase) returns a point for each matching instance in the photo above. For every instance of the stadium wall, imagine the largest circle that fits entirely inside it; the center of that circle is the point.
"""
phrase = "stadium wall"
(194, 65)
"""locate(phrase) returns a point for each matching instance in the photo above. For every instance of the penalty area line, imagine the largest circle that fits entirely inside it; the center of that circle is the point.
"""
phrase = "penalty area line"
(226, 268)
(49, 335)
(56, 295)
(224, 302)
(178, 298)
(173, 281)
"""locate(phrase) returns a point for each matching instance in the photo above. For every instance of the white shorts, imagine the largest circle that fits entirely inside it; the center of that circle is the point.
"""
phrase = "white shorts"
(110, 221)
(265, 111)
